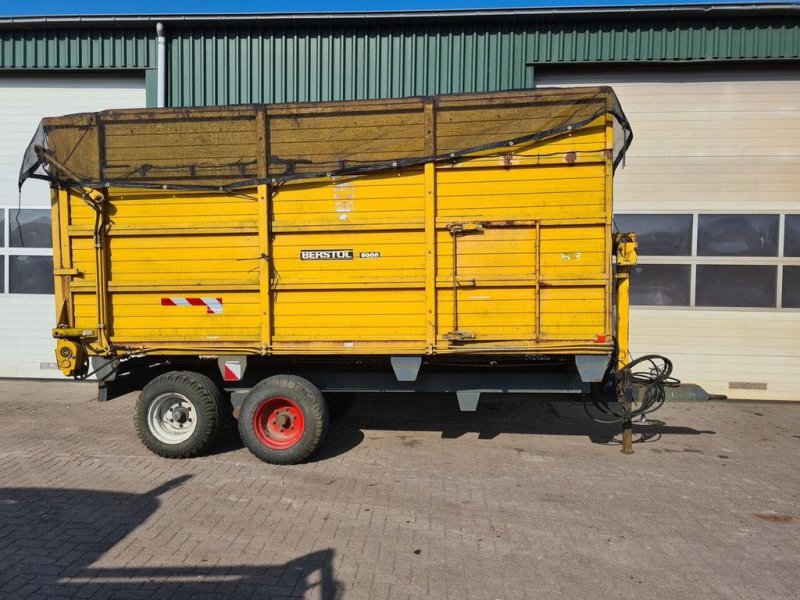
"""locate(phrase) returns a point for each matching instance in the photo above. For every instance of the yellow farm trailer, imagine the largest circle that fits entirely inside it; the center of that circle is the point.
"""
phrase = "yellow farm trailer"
(287, 255)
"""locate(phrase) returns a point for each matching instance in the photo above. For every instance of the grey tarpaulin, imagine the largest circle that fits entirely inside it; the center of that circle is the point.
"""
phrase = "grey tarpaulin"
(232, 147)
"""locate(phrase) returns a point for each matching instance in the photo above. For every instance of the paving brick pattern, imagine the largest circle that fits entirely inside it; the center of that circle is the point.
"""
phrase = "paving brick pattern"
(409, 499)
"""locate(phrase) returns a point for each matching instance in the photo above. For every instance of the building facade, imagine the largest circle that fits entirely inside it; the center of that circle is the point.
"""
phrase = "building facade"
(711, 183)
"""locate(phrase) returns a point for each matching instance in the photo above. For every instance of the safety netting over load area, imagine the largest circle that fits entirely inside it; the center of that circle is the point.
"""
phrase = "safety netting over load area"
(232, 147)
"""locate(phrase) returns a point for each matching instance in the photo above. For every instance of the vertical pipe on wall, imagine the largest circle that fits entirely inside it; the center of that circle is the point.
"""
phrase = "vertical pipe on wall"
(161, 66)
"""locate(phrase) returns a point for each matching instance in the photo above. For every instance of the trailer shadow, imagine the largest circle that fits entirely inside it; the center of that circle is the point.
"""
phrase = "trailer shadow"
(53, 537)
(496, 415)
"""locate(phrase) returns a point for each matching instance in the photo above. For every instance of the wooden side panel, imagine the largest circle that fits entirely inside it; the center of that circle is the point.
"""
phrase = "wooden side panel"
(181, 269)
(364, 264)
(349, 264)
(536, 271)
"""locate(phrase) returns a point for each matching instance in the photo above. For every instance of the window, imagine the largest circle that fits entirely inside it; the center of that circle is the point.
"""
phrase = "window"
(661, 285)
(736, 285)
(715, 260)
(26, 255)
(791, 244)
(30, 228)
(659, 235)
(737, 235)
(791, 287)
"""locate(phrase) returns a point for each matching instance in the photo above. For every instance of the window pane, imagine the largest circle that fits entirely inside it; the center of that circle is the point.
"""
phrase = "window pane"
(736, 285)
(791, 287)
(737, 235)
(30, 274)
(791, 245)
(2, 228)
(659, 235)
(660, 285)
(33, 229)
(2, 273)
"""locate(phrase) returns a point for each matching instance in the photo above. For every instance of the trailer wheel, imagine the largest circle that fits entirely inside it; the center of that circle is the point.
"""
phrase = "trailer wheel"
(178, 414)
(283, 419)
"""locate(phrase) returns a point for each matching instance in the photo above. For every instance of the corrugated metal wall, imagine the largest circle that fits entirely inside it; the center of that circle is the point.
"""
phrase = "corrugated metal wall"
(342, 59)
(78, 49)
(310, 64)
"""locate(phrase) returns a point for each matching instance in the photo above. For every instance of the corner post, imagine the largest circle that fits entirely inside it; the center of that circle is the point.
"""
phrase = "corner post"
(264, 220)
(431, 320)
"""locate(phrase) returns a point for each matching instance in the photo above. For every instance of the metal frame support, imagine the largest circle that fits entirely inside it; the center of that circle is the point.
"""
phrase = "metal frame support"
(626, 401)
(468, 400)
(625, 251)
(406, 368)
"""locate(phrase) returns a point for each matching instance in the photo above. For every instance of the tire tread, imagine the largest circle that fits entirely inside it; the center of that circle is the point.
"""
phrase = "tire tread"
(315, 413)
(204, 394)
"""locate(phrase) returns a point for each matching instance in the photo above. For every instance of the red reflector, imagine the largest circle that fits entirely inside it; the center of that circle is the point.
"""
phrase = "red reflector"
(232, 371)
(601, 339)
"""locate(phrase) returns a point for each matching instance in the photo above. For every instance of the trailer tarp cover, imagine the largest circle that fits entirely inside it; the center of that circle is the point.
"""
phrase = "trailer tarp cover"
(233, 147)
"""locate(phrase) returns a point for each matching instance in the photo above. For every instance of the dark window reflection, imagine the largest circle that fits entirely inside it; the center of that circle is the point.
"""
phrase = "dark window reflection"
(30, 228)
(791, 287)
(2, 228)
(659, 235)
(736, 285)
(737, 235)
(2, 274)
(30, 274)
(660, 285)
(791, 245)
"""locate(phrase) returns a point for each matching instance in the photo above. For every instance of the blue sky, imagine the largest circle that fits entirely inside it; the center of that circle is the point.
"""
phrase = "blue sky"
(94, 7)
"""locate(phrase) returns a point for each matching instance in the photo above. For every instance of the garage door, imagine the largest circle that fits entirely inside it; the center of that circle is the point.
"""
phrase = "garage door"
(712, 186)
(26, 284)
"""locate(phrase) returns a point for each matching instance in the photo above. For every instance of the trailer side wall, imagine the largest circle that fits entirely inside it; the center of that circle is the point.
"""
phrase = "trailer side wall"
(498, 253)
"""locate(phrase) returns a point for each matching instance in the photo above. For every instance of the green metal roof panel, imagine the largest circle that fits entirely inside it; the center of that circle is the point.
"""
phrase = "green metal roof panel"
(299, 64)
(230, 60)
(77, 48)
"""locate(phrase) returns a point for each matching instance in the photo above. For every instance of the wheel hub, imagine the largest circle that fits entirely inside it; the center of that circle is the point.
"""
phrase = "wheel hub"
(180, 415)
(170, 418)
(278, 422)
(283, 420)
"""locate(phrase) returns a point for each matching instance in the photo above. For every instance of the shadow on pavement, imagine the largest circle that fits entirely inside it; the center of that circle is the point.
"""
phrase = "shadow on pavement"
(51, 537)
(496, 414)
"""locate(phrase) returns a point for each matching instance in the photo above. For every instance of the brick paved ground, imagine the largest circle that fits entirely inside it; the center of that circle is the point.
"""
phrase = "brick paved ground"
(411, 500)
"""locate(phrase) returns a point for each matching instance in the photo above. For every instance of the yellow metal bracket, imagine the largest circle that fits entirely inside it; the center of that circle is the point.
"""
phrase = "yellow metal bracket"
(625, 247)
(71, 357)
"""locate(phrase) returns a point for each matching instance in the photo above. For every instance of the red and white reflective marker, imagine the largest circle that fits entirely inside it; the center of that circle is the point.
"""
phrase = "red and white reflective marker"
(232, 370)
(213, 305)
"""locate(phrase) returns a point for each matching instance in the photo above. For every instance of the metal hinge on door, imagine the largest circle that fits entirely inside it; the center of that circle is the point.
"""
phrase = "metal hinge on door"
(457, 229)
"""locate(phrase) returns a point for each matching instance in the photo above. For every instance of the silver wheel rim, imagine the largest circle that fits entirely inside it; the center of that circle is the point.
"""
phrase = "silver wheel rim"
(172, 418)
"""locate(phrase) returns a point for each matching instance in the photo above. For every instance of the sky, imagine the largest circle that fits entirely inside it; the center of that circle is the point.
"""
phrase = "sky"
(10, 8)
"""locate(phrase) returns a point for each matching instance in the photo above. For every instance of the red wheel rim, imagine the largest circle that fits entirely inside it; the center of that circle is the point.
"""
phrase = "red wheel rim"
(278, 423)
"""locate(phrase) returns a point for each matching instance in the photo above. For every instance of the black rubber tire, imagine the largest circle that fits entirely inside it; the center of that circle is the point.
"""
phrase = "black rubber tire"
(339, 403)
(224, 400)
(310, 402)
(204, 394)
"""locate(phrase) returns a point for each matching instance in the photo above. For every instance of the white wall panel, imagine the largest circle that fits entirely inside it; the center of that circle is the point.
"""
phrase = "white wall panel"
(26, 319)
(711, 141)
